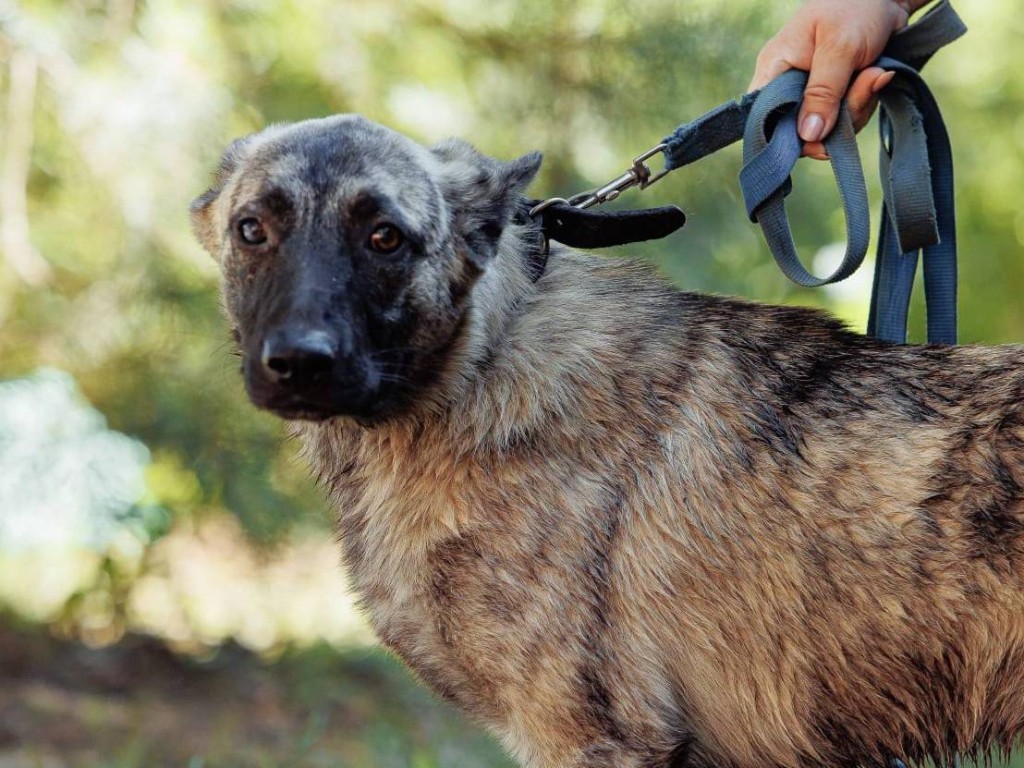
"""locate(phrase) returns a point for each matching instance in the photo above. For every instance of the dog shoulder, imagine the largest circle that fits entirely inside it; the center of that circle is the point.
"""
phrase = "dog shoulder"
(632, 307)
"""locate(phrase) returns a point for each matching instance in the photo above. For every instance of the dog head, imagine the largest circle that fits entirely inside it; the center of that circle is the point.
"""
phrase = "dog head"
(348, 253)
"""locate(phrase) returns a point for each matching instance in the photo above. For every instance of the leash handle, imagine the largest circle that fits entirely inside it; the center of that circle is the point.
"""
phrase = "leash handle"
(769, 155)
(918, 213)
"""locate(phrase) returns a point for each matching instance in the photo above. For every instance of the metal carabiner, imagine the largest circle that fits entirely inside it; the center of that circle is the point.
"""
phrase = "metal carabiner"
(638, 175)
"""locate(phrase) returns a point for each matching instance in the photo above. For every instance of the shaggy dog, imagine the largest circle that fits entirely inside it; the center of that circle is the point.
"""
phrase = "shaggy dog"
(623, 525)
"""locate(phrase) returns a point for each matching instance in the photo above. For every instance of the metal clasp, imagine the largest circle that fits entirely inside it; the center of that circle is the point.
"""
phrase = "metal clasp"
(638, 175)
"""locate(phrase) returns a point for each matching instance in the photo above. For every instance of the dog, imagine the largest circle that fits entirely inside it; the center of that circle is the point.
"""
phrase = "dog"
(623, 525)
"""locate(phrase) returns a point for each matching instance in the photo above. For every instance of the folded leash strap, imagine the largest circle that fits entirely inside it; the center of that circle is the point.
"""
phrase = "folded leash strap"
(917, 178)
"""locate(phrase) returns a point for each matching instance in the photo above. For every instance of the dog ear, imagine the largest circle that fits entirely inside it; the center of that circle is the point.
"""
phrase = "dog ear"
(201, 211)
(483, 193)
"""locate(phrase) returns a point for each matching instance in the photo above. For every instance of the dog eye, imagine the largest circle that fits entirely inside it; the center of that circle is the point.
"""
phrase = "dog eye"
(387, 238)
(252, 232)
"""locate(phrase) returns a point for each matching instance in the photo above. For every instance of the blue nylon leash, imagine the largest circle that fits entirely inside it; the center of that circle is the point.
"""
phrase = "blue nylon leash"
(765, 178)
(919, 217)
(916, 165)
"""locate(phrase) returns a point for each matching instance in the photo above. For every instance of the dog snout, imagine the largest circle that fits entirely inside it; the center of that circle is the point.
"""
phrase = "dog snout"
(305, 372)
(298, 358)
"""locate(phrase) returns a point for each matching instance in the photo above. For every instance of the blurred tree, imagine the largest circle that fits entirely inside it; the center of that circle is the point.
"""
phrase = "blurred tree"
(114, 112)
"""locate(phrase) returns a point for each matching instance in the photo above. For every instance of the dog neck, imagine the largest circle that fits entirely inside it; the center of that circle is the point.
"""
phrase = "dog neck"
(530, 229)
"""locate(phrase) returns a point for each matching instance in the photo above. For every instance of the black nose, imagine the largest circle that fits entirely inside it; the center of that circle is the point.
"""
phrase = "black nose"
(297, 358)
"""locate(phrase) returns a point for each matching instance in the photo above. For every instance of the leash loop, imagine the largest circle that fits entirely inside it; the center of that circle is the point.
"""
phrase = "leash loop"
(771, 148)
(918, 213)
(918, 221)
(919, 217)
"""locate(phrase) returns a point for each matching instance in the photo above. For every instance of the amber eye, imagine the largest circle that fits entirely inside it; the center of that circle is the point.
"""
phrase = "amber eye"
(252, 232)
(387, 238)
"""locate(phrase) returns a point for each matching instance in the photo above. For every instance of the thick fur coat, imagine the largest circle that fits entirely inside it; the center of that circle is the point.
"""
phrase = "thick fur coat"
(627, 526)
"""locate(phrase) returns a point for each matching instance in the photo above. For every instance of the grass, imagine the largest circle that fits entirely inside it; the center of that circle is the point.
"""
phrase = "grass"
(137, 705)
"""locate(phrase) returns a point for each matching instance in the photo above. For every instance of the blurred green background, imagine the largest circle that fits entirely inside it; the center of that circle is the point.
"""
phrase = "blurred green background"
(169, 587)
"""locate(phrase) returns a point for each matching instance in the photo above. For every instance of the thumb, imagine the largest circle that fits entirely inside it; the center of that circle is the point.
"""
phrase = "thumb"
(831, 71)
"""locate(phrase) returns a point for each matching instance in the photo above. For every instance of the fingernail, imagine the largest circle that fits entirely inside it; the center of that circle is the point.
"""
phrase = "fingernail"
(812, 128)
(882, 81)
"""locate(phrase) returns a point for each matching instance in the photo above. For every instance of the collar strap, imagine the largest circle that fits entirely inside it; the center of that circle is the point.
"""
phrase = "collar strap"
(579, 228)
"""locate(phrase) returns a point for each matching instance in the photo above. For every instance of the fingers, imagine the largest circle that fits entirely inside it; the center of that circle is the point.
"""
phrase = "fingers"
(861, 99)
(829, 79)
(832, 39)
(771, 63)
(815, 150)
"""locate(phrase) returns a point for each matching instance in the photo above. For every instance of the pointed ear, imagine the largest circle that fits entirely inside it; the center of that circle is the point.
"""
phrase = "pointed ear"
(202, 210)
(483, 193)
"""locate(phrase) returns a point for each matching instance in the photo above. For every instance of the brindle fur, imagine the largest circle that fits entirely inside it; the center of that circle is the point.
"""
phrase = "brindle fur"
(630, 527)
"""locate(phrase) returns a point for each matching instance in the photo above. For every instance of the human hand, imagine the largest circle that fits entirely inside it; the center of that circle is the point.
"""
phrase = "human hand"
(833, 39)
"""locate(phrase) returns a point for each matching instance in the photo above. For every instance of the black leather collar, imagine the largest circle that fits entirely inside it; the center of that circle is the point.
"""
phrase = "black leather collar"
(579, 228)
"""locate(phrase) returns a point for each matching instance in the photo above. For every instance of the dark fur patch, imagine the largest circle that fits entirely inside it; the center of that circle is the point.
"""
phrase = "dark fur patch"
(279, 204)
(768, 426)
(600, 705)
(682, 756)
(599, 702)
(975, 483)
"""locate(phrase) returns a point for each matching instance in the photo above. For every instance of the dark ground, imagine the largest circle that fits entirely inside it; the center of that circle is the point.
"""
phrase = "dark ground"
(139, 704)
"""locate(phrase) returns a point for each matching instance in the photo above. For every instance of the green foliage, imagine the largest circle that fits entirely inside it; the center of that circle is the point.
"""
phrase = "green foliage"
(133, 101)
(134, 705)
(113, 114)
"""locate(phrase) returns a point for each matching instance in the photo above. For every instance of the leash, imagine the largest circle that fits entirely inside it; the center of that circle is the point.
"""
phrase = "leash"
(918, 213)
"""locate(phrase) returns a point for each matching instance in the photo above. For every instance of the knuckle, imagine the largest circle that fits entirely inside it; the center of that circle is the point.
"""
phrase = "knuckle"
(821, 92)
(841, 40)
(767, 57)
(859, 101)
